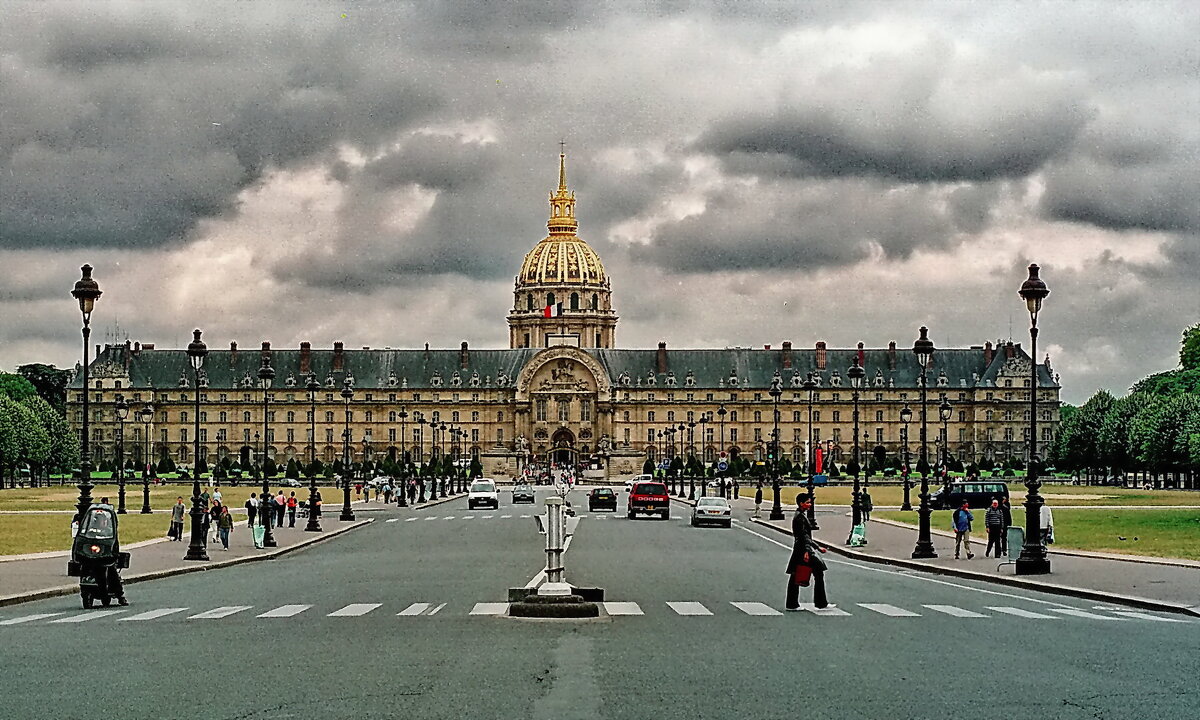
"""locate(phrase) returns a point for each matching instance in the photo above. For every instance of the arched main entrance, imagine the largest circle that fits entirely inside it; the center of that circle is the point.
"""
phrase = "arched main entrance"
(562, 450)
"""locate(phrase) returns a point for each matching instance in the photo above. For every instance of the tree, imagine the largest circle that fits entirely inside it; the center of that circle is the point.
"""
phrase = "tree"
(164, 465)
(852, 467)
(832, 470)
(315, 468)
(64, 445)
(648, 467)
(1113, 441)
(49, 382)
(270, 469)
(1189, 349)
(293, 469)
(476, 468)
(923, 466)
(16, 387)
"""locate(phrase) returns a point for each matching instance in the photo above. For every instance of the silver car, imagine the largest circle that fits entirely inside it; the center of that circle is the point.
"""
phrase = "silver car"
(713, 510)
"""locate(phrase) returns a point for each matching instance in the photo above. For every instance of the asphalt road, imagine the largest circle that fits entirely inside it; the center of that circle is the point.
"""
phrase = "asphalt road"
(402, 642)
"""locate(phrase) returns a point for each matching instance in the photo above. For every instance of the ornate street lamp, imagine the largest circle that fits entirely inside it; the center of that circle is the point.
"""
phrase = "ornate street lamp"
(86, 291)
(196, 352)
(906, 418)
(721, 412)
(314, 520)
(944, 413)
(403, 489)
(1033, 559)
(347, 514)
(775, 391)
(856, 374)
(691, 434)
(121, 410)
(923, 350)
(265, 375)
(810, 384)
(419, 419)
(692, 480)
(146, 415)
(444, 474)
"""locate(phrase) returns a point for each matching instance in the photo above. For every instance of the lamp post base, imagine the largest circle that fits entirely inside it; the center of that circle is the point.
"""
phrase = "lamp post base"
(347, 515)
(924, 550)
(194, 554)
(1033, 566)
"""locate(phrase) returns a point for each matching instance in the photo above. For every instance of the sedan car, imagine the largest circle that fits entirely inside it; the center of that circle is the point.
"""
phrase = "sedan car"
(714, 510)
(602, 499)
(523, 494)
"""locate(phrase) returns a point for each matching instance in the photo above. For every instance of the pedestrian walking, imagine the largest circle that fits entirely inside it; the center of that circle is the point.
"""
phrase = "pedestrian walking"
(737, 489)
(252, 509)
(1006, 511)
(865, 505)
(805, 564)
(1047, 522)
(387, 493)
(292, 502)
(962, 530)
(758, 500)
(224, 526)
(214, 514)
(993, 520)
(177, 510)
(280, 506)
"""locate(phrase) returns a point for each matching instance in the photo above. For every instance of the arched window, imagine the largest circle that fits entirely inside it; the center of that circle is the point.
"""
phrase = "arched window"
(529, 302)
(574, 301)
(549, 298)
(595, 301)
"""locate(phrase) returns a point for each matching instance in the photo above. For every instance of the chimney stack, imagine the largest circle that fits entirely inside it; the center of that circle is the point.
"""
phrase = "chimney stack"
(661, 358)
(988, 354)
(232, 353)
(463, 356)
(339, 359)
(787, 354)
(1010, 351)
(821, 355)
(892, 355)
(305, 358)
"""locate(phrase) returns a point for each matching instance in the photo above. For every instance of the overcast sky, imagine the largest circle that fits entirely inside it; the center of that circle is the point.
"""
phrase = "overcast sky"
(748, 172)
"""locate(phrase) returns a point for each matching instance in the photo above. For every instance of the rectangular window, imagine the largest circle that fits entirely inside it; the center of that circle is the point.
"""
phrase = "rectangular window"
(626, 436)
(837, 416)
(878, 416)
(246, 436)
(564, 410)
(733, 435)
(328, 435)
(650, 416)
(392, 435)
(757, 434)
(585, 410)
(816, 416)
(539, 407)
(203, 435)
(183, 417)
(650, 436)
(370, 415)
(670, 416)
(291, 436)
(816, 436)
(183, 435)
(474, 435)
(499, 436)
(879, 435)
(796, 416)
(837, 435)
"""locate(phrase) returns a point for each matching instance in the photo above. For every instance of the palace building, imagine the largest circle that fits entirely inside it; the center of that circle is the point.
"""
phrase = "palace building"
(562, 391)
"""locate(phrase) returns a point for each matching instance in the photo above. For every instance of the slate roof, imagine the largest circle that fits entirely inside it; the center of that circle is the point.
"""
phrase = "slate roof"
(754, 368)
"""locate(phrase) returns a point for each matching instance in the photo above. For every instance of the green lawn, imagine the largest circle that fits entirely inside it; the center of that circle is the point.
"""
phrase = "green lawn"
(161, 496)
(1159, 533)
(20, 534)
(1059, 494)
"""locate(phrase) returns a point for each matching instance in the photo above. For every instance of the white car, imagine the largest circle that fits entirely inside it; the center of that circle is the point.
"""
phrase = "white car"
(636, 479)
(483, 492)
(714, 510)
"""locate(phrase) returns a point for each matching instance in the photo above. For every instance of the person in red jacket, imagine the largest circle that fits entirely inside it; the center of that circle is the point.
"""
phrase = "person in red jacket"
(292, 502)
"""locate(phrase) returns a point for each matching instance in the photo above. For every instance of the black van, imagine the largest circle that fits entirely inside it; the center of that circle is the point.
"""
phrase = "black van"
(977, 494)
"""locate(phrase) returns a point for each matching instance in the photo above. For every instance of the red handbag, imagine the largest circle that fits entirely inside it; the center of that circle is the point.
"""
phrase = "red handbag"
(801, 575)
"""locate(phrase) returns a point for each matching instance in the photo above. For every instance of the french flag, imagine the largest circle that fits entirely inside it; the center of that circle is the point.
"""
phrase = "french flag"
(552, 310)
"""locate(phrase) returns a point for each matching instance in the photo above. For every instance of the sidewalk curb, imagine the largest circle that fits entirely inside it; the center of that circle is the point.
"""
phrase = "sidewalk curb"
(1143, 559)
(183, 570)
(1144, 603)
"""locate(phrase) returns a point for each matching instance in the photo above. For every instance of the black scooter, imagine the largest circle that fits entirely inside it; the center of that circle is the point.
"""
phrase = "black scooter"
(96, 558)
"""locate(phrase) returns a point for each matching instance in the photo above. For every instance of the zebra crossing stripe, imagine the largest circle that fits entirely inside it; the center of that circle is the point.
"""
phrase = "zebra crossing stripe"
(889, 610)
(755, 608)
(450, 517)
(469, 517)
(285, 611)
(435, 610)
(28, 618)
(152, 614)
(955, 611)
(84, 617)
(354, 610)
(689, 608)
(393, 519)
(1138, 616)
(1084, 614)
(1022, 613)
(487, 517)
(827, 611)
(431, 518)
(220, 612)
(622, 608)
(414, 609)
(505, 517)
(409, 519)
(490, 608)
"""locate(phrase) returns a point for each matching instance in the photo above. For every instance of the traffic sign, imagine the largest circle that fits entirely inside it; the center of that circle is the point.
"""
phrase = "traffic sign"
(723, 455)
(722, 466)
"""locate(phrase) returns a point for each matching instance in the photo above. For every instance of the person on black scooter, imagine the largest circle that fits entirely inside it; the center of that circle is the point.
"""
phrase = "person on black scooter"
(112, 575)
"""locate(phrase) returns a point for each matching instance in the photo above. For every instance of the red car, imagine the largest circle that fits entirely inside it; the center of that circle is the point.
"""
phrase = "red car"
(649, 498)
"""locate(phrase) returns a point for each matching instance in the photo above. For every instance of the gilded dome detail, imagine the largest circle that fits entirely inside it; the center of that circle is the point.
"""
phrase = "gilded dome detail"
(562, 256)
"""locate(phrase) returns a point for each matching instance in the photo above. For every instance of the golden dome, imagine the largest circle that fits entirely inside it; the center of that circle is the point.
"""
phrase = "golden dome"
(562, 257)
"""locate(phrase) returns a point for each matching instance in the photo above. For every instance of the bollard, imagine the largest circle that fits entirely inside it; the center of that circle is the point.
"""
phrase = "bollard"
(554, 539)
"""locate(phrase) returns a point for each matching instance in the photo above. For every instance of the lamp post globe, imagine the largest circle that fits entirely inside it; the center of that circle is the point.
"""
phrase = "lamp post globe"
(147, 416)
(1033, 559)
(775, 391)
(314, 516)
(197, 351)
(856, 373)
(347, 513)
(906, 418)
(923, 350)
(121, 410)
(266, 374)
(945, 411)
(810, 385)
(86, 292)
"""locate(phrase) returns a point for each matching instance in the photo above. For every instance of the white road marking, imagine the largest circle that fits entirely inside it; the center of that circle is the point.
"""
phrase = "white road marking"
(827, 611)
(505, 517)
(86, 616)
(284, 611)
(487, 517)
(152, 614)
(1074, 612)
(889, 610)
(622, 608)
(1146, 616)
(409, 519)
(755, 608)
(689, 608)
(435, 610)
(451, 517)
(414, 609)
(526, 516)
(1022, 613)
(955, 611)
(393, 519)
(489, 608)
(220, 612)
(467, 517)
(28, 618)
(354, 610)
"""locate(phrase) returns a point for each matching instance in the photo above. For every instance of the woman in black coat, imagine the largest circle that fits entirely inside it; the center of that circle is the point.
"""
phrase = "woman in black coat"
(804, 553)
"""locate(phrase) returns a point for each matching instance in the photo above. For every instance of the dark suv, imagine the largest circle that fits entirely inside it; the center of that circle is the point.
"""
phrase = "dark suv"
(649, 498)
(602, 498)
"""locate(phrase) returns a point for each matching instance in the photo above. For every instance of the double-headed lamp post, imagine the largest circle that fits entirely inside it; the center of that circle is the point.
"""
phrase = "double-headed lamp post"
(703, 422)
(402, 490)
(121, 410)
(266, 374)
(810, 384)
(196, 550)
(314, 520)
(347, 395)
(923, 350)
(86, 291)
(906, 418)
(1033, 559)
(856, 373)
(775, 391)
(945, 410)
